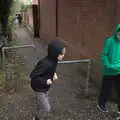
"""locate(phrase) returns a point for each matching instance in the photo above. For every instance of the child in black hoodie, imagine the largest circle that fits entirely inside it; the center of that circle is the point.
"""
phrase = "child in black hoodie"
(44, 74)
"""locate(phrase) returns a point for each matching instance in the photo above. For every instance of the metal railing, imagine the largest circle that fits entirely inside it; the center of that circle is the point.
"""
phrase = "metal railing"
(89, 61)
(9, 48)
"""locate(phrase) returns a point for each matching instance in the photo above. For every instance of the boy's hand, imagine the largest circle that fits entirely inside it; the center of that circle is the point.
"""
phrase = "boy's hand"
(55, 77)
(49, 82)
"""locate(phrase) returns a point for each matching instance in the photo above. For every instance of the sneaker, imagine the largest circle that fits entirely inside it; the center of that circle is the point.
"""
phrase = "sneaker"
(102, 108)
(117, 118)
(118, 111)
(35, 118)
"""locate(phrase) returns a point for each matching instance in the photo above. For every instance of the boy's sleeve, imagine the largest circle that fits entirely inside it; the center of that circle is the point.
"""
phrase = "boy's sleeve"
(104, 54)
(39, 71)
(116, 67)
(105, 59)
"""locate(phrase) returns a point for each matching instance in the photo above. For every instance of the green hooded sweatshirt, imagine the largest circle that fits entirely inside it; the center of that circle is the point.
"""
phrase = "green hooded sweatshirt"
(110, 56)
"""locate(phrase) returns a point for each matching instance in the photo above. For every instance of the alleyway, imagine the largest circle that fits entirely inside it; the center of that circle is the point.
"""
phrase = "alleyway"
(68, 100)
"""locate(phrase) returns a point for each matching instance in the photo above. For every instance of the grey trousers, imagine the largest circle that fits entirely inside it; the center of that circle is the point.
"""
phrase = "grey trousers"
(43, 105)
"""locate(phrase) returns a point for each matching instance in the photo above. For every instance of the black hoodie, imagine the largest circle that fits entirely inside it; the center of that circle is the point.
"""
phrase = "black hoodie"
(46, 67)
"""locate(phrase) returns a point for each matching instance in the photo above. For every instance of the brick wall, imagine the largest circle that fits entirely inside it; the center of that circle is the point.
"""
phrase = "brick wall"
(28, 17)
(117, 18)
(47, 19)
(86, 23)
(25, 17)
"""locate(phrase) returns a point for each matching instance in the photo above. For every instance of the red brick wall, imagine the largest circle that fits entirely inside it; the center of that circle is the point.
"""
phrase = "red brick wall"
(117, 12)
(47, 19)
(28, 17)
(85, 24)
(25, 18)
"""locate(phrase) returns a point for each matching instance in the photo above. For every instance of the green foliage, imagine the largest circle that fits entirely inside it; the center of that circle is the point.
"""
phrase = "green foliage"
(5, 6)
(24, 7)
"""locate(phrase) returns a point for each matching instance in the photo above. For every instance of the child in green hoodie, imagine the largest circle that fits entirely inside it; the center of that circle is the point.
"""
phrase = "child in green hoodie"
(110, 58)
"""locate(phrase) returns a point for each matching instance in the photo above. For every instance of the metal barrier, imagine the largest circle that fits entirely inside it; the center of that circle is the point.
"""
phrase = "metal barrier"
(61, 62)
(9, 48)
(89, 61)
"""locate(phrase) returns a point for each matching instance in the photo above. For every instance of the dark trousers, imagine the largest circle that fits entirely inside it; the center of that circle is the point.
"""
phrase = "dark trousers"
(107, 84)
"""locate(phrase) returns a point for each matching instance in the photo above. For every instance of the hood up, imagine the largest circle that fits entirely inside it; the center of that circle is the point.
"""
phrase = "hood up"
(116, 30)
(54, 49)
